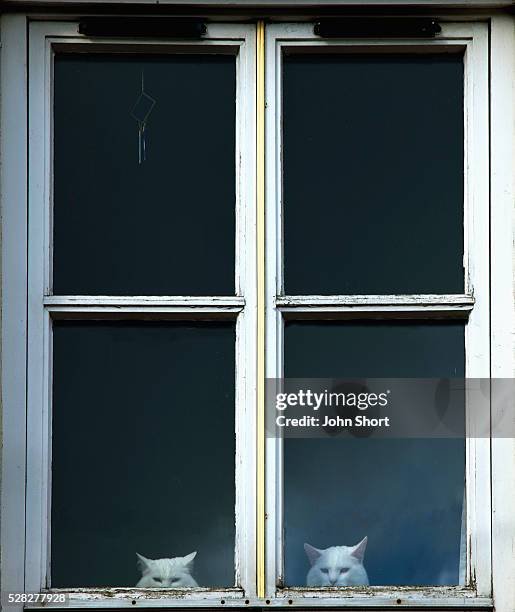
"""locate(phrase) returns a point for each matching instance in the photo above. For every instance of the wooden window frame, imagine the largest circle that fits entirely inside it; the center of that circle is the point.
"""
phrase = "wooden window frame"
(473, 306)
(45, 40)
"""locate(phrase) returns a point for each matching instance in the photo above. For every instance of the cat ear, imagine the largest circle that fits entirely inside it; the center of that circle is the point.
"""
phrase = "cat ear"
(359, 550)
(312, 553)
(143, 563)
(188, 559)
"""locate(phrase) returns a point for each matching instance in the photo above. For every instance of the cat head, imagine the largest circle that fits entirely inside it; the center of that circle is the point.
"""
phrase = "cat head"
(166, 573)
(337, 565)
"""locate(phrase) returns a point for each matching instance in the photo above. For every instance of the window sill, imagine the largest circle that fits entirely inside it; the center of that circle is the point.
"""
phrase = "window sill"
(370, 598)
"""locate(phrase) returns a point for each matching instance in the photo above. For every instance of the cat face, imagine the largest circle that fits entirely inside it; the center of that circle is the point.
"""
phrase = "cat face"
(337, 566)
(172, 573)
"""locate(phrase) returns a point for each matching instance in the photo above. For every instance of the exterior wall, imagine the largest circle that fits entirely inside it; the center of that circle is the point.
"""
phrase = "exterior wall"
(265, 4)
(502, 279)
(13, 181)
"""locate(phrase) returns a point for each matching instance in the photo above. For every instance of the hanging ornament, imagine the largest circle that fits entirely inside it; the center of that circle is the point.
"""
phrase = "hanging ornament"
(140, 112)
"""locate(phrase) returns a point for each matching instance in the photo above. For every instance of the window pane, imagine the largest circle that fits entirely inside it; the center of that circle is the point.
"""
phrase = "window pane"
(165, 226)
(405, 495)
(373, 174)
(143, 451)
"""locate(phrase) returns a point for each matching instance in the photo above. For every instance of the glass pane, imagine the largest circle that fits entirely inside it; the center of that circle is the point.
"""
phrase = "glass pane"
(404, 495)
(165, 226)
(373, 174)
(143, 454)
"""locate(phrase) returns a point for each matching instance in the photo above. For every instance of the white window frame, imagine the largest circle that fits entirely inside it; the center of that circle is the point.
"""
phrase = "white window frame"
(473, 306)
(46, 39)
(16, 456)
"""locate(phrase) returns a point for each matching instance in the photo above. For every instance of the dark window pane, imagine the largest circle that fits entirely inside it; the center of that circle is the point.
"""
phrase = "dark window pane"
(143, 451)
(375, 349)
(405, 495)
(162, 227)
(373, 174)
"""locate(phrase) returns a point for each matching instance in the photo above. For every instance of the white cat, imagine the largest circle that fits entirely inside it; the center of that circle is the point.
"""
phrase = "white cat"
(337, 566)
(166, 573)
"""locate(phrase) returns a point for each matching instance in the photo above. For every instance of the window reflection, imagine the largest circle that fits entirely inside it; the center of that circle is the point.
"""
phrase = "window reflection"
(143, 454)
(405, 496)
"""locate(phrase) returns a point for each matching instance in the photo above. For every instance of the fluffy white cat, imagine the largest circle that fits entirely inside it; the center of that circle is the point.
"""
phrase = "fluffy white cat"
(166, 573)
(337, 566)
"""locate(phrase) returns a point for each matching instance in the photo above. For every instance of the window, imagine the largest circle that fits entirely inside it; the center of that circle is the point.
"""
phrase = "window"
(204, 215)
(144, 311)
(377, 237)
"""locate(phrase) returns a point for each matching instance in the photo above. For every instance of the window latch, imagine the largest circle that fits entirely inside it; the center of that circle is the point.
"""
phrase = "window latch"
(378, 27)
(142, 27)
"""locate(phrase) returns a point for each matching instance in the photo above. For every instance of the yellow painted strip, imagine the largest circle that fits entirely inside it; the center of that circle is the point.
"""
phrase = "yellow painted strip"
(260, 178)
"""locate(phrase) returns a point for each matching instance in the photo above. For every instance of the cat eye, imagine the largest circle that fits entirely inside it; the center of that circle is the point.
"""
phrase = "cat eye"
(157, 579)
(344, 570)
(325, 570)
